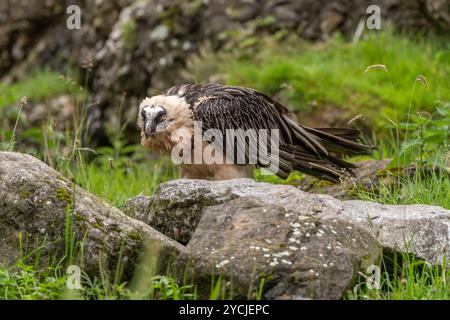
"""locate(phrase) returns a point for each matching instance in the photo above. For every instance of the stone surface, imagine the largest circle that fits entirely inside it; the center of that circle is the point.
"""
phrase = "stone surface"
(293, 256)
(418, 229)
(293, 244)
(34, 203)
(177, 206)
(368, 175)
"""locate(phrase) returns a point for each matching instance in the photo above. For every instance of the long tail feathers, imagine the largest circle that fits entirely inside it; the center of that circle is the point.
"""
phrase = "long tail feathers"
(343, 142)
(316, 151)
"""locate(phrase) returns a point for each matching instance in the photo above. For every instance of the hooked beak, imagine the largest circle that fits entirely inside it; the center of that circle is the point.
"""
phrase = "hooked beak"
(150, 128)
(152, 117)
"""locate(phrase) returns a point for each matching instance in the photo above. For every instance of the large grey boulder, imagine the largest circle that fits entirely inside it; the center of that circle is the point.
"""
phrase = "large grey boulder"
(418, 229)
(259, 247)
(177, 206)
(36, 202)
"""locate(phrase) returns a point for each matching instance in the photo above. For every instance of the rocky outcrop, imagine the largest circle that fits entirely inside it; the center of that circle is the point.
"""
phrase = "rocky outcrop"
(290, 255)
(140, 47)
(44, 215)
(252, 239)
(418, 229)
(177, 206)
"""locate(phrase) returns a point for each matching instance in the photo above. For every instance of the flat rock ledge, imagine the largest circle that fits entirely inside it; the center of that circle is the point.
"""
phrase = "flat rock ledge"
(177, 206)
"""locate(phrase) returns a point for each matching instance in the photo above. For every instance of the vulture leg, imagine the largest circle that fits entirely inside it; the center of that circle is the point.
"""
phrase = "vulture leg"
(231, 171)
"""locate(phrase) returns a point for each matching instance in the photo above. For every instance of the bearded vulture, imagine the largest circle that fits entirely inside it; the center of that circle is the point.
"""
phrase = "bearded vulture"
(168, 121)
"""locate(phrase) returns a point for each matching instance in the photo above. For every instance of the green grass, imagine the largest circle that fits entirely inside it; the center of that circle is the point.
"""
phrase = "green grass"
(432, 190)
(412, 279)
(116, 182)
(303, 74)
(38, 86)
(25, 282)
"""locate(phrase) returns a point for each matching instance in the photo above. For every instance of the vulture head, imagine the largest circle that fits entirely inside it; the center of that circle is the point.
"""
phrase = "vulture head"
(153, 119)
(160, 116)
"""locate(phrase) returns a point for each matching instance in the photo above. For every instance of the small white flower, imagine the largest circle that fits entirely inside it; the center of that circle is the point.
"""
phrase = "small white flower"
(273, 263)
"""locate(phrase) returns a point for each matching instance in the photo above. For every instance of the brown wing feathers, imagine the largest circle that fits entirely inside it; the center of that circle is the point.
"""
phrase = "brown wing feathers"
(309, 150)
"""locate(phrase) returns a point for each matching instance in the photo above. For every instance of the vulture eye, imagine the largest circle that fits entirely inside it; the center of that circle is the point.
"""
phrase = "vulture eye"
(162, 117)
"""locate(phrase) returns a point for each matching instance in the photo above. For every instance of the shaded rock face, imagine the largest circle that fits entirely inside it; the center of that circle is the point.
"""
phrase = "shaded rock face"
(295, 256)
(418, 229)
(175, 209)
(139, 47)
(36, 202)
